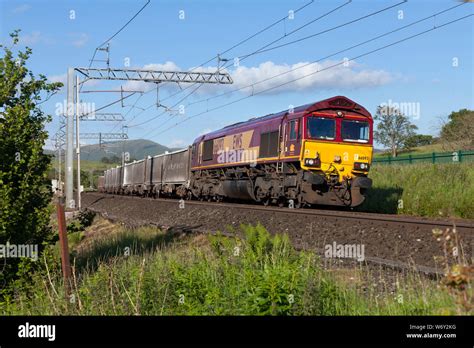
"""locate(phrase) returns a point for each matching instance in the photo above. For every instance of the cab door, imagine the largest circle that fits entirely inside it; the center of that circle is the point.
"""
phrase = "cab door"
(293, 137)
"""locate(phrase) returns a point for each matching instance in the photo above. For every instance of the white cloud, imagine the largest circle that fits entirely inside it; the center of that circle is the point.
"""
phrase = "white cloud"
(34, 38)
(79, 39)
(268, 75)
(147, 86)
(21, 9)
(168, 66)
(305, 77)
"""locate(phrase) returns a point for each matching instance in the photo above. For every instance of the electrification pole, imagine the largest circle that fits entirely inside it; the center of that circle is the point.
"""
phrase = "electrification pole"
(153, 76)
(78, 145)
(69, 139)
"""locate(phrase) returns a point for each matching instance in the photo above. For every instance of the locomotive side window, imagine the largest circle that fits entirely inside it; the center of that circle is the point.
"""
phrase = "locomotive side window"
(207, 152)
(295, 130)
(268, 144)
(355, 131)
(321, 128)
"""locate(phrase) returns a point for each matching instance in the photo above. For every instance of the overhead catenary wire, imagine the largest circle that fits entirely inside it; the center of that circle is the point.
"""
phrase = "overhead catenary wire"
(274, 41)
(118, 31)
(266, 49)
(223, 52)
(326, 57)
(319, 60)
(254, 35)
(435, 27)
(296, 30)
(164, 112)
(110, 104)
(105, 42)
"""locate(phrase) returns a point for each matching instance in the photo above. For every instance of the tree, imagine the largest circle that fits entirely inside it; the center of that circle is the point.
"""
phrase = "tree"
(24, 189)
(115, 159)
(393, 128)
(419, 140)
(458, 132)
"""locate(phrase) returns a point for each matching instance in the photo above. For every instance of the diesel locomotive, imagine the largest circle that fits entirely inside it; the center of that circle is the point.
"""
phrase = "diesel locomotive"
(315, 154)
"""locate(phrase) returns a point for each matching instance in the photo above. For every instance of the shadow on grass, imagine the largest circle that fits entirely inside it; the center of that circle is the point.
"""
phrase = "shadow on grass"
(382, 200)
(126, 243)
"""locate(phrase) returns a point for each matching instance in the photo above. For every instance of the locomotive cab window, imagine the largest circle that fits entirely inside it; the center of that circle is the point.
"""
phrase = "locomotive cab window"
(355, 131)
(208, 150)
(321, 128)
(295, 130)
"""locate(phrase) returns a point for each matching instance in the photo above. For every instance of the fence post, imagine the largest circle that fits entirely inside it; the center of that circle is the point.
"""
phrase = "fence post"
(433, 157)
(460, 156)
(409, 159)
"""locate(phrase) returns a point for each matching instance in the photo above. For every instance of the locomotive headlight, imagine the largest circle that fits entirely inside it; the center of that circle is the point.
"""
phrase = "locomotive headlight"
(361, 166)
(312, 162)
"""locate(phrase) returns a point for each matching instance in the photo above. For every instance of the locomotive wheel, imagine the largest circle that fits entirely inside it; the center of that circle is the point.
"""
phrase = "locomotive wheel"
(299, 202)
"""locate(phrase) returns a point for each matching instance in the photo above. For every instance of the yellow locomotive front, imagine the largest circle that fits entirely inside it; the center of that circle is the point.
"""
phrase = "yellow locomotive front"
(336, 147)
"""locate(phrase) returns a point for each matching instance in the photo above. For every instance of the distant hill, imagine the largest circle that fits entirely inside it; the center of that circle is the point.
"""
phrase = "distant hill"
(137, 149)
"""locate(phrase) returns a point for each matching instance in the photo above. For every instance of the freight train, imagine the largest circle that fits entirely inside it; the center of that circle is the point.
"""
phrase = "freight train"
(315, 154)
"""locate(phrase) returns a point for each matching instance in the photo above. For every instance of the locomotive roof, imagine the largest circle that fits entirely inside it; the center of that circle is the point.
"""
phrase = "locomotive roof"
(334, 103)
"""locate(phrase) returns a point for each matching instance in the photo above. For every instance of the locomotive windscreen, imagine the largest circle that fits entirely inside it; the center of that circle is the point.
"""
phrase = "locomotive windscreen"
(355, 131)
(321, 128)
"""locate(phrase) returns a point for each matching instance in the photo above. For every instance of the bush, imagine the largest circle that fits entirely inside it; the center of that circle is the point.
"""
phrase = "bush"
(24, 189)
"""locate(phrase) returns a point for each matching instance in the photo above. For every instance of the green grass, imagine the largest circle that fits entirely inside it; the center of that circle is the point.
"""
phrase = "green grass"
(94, 166)
(205, 275)
(415, 151)
(422, 189)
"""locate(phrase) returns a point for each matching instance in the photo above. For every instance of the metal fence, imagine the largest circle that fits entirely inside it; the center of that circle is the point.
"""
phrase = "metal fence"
(434, 157)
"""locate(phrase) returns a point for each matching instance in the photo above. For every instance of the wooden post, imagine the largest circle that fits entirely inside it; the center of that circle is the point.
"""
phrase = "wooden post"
(66, 266)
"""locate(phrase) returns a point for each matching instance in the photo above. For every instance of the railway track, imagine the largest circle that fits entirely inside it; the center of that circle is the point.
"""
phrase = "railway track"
(373, 225)
(435, 223)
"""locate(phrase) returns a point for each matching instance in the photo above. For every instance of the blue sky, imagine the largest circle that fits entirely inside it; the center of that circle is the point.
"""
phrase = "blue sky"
(432, 72)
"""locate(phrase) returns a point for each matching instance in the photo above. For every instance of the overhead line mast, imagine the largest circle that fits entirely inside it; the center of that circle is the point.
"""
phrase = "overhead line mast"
(74, 84)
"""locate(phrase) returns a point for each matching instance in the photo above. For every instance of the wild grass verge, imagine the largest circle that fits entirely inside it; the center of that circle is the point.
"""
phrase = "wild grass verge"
(149, 272)
(442, 190)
